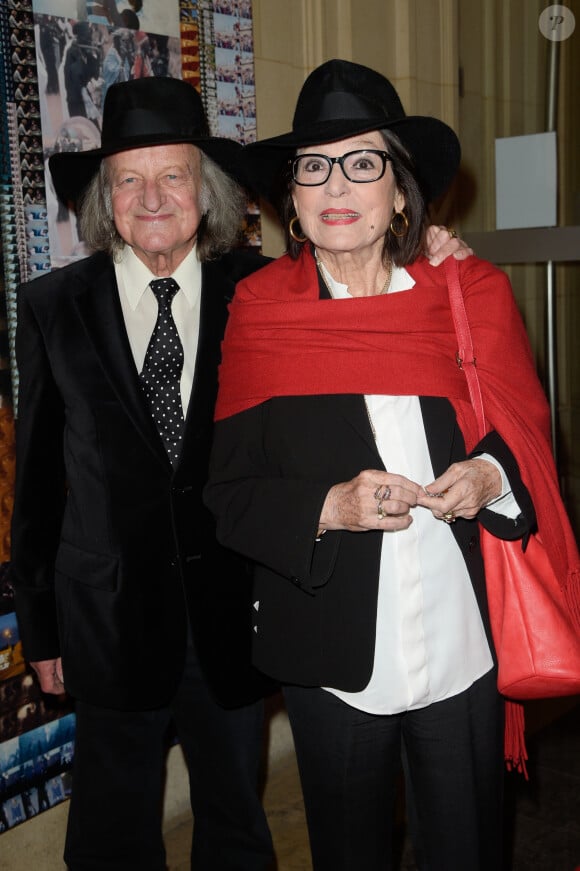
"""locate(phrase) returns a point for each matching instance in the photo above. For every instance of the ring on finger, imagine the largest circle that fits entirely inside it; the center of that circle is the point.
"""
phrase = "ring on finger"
(452, 233)
(449, 516)
(386, 494)
(380, 497)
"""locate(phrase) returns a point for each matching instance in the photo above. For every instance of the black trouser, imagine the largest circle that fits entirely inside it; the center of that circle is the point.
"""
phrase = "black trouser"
(350, 765)
(118, 772)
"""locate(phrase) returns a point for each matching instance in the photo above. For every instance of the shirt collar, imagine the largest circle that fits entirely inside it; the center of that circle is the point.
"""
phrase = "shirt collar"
(400, 280)
(134, 277)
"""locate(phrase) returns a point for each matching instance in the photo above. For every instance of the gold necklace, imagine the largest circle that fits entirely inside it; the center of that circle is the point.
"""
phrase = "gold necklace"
(322, 269)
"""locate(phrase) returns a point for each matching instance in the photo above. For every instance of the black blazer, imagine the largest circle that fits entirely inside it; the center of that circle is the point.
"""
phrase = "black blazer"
(315, 602)
(112, 549)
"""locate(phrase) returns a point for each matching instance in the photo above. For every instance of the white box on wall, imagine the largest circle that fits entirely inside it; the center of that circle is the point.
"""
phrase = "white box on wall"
(526, 181)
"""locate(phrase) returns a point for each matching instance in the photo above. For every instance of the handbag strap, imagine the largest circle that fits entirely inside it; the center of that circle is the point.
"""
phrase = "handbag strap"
(514, 730)
(465, 357)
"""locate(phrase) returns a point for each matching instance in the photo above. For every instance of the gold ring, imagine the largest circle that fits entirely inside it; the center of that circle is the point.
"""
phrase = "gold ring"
(452, 233)
(380, 497)
(449, 516)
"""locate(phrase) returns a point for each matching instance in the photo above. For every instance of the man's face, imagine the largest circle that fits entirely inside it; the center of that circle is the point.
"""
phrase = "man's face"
(155, 196)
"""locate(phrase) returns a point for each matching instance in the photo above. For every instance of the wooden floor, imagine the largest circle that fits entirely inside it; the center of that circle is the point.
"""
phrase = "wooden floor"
(283, 804)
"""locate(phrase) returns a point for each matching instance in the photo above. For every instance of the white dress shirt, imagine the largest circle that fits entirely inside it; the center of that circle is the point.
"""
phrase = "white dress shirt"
(140, 310)
(430, 640)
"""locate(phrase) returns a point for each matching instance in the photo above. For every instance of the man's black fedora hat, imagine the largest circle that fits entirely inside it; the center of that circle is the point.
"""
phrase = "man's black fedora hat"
(340, 99)
(137, 114)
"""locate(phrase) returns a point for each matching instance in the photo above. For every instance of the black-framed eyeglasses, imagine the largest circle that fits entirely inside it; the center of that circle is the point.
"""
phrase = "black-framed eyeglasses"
(362, 166)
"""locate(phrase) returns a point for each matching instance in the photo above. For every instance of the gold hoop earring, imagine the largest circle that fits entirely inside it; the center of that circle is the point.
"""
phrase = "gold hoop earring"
(293, 221)
(402, 216)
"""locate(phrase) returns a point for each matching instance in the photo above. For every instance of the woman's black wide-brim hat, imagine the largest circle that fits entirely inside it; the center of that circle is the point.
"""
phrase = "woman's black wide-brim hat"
(138, 114)
(340, 99)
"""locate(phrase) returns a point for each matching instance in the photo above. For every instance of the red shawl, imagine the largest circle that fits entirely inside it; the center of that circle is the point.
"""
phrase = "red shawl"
(282, 339)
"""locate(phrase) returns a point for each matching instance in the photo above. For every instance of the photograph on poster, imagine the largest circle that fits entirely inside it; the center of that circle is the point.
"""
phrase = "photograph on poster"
(34, 770)
(154, 16)
(234, 66)
(243, 8)
(15, 693)
(11, 660)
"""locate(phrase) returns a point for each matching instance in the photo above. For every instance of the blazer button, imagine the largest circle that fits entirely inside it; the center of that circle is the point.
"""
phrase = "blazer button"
(181, 491)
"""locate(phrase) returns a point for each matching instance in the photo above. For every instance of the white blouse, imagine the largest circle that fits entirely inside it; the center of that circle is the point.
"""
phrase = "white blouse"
(430, 640)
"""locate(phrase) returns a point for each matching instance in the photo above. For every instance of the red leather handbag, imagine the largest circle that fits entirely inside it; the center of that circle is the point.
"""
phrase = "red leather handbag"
(536, 639)
(538, 647)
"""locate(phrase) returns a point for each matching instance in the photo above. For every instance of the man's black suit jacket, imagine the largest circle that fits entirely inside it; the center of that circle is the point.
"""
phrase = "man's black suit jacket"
(111, 549)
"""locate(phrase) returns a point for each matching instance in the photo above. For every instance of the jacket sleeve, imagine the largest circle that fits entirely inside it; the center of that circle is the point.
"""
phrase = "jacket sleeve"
(269, 517)
(39, 489)
(505, 527)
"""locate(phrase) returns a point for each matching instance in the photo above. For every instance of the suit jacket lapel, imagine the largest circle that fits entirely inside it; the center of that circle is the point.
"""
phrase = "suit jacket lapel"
(99, 309)
(442, 432)
(216, 292)
(217, 289)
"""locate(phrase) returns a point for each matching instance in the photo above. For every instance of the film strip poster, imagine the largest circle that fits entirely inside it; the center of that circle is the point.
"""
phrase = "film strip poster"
(57, 59)
(227, 81)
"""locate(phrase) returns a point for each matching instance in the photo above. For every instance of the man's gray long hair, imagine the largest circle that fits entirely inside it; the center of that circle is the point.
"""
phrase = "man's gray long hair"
(221, 200)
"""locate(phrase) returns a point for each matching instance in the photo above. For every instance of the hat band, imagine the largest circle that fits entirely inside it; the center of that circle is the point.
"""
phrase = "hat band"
(139, 122)
(339, 105)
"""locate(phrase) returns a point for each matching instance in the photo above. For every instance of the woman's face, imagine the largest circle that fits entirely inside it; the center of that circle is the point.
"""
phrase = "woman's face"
(345, 216)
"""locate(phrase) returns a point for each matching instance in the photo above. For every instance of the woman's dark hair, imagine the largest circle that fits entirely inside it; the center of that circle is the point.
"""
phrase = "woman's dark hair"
(401, 250)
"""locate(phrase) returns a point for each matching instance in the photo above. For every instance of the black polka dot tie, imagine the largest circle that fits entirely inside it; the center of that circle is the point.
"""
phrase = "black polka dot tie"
(161, 373)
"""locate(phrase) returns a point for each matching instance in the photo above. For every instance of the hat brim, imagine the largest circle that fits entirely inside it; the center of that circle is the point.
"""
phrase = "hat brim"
(432, 144)
(72, 171)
